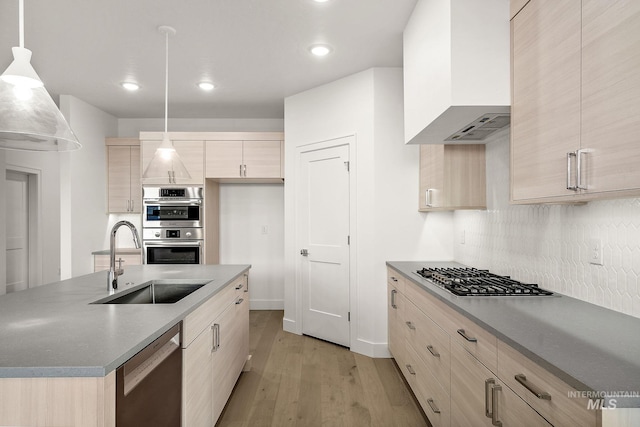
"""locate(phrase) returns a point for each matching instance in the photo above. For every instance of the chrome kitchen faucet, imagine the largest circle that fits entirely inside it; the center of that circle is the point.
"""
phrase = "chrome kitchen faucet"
(112, 277)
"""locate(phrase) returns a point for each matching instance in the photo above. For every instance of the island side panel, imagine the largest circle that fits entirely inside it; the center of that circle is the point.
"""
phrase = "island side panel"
(53, 402)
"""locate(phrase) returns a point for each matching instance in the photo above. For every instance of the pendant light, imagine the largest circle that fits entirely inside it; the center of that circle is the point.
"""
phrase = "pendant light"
(166, 162)
(29, 119)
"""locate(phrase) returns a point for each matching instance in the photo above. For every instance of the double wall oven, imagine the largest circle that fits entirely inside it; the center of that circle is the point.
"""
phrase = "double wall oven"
(172, 221)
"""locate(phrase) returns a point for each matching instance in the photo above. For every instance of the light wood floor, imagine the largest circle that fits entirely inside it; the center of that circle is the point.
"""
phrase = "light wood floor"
(301, 381)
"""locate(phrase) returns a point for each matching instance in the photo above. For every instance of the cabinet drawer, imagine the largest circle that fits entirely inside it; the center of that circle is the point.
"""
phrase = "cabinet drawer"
(430, 343)
(395, 279)
(555, 405)
(433, 398)
(204, 315)
(478, 342)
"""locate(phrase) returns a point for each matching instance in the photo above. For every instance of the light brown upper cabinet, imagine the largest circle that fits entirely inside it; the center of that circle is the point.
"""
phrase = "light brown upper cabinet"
(123, 175)
(245, 159)
(452, 177)
(575, 108)
(191, 153)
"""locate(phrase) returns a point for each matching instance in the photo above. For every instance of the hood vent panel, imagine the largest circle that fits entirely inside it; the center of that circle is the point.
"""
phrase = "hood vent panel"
(481, 128)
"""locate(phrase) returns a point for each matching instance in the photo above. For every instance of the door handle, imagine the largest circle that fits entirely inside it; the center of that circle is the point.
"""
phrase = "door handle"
(304, 252)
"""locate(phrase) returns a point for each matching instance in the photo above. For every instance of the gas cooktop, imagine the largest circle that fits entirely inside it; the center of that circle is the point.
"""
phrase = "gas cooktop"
(474, 282)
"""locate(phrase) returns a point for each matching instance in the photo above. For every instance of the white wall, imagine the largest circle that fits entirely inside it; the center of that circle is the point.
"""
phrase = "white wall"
(252, 232)
(83, 182)
(368, 105)
(549, 245)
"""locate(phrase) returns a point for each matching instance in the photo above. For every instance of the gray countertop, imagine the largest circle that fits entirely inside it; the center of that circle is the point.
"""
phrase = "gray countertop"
(121, 251)
(55, 331)
(589, 347)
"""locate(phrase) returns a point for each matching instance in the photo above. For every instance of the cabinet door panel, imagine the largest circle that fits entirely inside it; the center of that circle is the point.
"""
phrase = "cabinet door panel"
(262, 159)
(225, 358)
(432, 176)
(223, 159)
(197, 393)
(545, 109)
(610, 94)
(396, 325)
(136, 185)
(119, 176)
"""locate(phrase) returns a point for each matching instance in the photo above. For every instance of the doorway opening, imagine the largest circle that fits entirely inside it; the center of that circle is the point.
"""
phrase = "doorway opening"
(22, 229)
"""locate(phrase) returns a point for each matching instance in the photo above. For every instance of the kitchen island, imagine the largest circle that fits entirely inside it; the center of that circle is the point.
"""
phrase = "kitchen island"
(55, 340)
(590, 352)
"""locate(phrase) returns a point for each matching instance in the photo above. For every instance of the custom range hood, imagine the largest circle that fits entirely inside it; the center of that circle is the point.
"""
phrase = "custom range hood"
(456, 71)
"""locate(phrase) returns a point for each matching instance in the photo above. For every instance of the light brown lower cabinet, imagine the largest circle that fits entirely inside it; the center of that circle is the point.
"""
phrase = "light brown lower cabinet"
(462, 375)
(479, 398)
(214, 359)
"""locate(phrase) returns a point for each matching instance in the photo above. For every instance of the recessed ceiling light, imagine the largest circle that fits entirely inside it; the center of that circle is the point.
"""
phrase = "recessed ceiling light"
(206, 86)
(321, 1)
(130, 86)
(320, 50)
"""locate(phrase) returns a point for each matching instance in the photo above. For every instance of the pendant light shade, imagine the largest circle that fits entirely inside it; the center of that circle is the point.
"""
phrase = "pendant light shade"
(29, 119)
(166, 162)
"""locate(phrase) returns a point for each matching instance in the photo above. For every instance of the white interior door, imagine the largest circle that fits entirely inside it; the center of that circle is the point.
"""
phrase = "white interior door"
(17, 228)
(323, 237)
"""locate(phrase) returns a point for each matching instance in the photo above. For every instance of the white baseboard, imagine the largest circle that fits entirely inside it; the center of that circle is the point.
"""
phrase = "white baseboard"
(371, 349)
(289, 325)
(266, 304)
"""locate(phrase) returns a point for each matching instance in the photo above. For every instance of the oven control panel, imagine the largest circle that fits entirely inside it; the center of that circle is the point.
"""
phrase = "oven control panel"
(172, 234)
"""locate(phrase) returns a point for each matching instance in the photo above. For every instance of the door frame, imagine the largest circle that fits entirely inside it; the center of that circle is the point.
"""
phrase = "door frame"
(35, 220)
(350, 141)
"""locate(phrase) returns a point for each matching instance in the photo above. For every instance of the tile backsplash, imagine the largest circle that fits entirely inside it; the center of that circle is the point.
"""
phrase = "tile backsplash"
(549, 244)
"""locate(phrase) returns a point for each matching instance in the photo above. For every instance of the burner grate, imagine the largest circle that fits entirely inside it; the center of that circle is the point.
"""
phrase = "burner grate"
(474, 282)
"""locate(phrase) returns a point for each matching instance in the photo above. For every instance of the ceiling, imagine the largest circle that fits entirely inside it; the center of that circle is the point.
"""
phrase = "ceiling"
(254, 51)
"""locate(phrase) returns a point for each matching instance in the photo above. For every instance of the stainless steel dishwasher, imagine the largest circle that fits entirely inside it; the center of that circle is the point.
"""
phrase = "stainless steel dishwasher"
(149, 385)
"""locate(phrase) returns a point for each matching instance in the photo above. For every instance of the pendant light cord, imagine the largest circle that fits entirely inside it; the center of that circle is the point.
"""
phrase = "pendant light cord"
(166, 83)
(21, 20)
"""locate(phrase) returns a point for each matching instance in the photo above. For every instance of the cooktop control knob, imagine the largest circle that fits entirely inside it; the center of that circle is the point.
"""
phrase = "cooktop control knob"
(188, 234)
(157, 234)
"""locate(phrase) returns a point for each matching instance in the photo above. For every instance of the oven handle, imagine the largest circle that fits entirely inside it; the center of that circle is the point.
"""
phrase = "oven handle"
(183, 243)
(190, 202)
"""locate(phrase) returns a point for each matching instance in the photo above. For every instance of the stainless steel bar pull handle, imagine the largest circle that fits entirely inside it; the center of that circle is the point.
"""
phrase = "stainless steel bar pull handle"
(432, 351)
(569, 174)
(216, 337)
(433, 406)
(488, 386)
(522, 379)
(428, 202)
(579, 154)
(239, 286)
(410, 369)
(410, 326)
(466, 337)
(393, 298)
(240, 301)
(240, 170)
(494, 405)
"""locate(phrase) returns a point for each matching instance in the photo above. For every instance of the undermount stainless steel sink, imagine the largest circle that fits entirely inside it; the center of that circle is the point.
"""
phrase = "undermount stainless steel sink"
(155, 292)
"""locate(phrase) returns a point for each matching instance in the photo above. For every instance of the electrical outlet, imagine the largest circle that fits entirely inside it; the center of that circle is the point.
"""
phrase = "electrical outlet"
(595, 252)
(462, 237)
